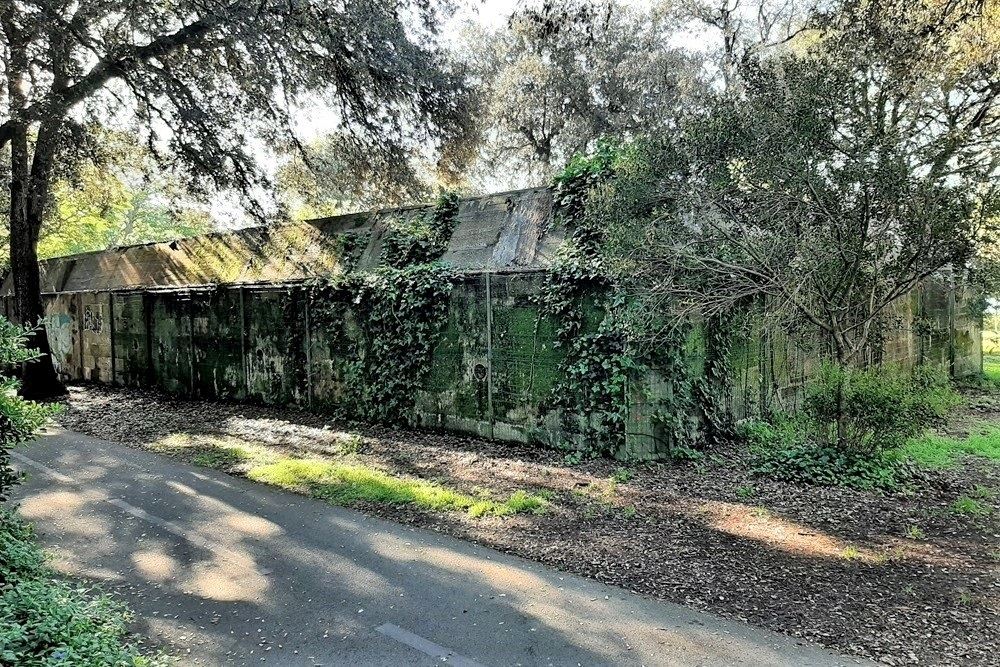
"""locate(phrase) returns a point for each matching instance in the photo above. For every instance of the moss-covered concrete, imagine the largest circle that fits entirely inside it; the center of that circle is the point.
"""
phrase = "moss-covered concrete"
(235, 323)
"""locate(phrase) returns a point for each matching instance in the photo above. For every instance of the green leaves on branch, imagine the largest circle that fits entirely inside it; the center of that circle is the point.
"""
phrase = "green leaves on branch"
(599, 326)
(19, 419)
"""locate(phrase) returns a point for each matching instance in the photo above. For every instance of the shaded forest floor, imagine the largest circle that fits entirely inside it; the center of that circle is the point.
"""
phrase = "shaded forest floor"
(905, 579)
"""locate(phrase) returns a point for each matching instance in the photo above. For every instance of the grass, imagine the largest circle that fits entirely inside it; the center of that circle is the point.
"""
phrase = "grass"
(621, 475)
(937, 451)
(968, 506)
(346, 483)
(850, 553)
(221, 457)
(338, 481)
(991, 368)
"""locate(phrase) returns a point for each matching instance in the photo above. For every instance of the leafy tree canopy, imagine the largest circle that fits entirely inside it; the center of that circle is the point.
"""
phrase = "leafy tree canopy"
(204, 83)
(826, 186)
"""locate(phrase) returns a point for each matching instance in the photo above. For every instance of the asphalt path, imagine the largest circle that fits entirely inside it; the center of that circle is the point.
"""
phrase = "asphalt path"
(220, 570)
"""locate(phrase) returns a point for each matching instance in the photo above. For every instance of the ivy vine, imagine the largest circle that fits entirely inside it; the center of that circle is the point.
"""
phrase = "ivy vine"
(421, 238)
(593, 329)
(387, 322)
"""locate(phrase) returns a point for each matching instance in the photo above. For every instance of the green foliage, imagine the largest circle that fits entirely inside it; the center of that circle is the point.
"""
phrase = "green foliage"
(344, 484)
(596, 326)
(47, 621)
(388, 321)
(968, 506)
(875, 409)
(421, 238)
(621, 475)
(19, 419)
(399, 314)
(809, 463)
(221, 457)
(991, 369)
(880, 408)
(120, 196)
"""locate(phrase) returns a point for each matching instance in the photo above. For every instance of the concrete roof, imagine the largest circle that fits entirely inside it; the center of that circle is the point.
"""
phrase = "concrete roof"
(502, 232)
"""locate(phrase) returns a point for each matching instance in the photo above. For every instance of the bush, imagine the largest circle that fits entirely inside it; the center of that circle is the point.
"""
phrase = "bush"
(19, 419)
(852, 428)
(875, 409)
(785, 450)
(47, 621)
(44, 620)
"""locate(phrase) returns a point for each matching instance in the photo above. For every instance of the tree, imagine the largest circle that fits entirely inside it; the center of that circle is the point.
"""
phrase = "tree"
(119, 197)
(740, 29)
(198, 79)
(561, 75)
(325, 179)
(836, 179)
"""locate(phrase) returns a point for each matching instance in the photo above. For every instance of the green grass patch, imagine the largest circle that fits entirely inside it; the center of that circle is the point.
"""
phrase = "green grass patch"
(221, 457)
(346, 483)
(991, 369)
(968, 506)
(936, 451)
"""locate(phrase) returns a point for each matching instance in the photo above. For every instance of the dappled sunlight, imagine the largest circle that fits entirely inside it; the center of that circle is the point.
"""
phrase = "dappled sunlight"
(227, 580)
(249, 525)
(51, 506)
(498, 575)
(181, 488)
(285, 433)
(760, 525)
(155, 565)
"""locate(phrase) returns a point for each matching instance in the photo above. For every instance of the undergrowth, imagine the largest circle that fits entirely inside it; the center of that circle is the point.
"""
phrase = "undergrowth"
(863, 429)
(45, 620)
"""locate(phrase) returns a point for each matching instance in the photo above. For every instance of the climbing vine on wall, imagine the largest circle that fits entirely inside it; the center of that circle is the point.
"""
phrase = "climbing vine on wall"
(423, 237)
(595, 331)
(388, 321)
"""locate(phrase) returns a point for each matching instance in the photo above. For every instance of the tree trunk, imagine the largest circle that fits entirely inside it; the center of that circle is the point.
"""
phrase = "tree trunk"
(38, 377)
(841, 407)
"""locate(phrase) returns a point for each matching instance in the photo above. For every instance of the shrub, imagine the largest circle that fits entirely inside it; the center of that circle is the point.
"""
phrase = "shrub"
(45, 620)
(875, 409)
(19, 419)
(784, 450)
(853, 427)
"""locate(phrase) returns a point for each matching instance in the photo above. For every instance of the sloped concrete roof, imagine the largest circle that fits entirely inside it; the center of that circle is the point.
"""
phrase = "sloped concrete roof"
(499, 232)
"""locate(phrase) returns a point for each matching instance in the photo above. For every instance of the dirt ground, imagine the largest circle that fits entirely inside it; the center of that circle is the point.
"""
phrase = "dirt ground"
(903, 579)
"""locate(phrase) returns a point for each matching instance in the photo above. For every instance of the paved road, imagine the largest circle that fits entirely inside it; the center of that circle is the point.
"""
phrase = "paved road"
(225, 571)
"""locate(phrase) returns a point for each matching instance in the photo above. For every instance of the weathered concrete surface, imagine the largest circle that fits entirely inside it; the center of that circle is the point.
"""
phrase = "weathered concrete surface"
(236, 573)
(508, 230)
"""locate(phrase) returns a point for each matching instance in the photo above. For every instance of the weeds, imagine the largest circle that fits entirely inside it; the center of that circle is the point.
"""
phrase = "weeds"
(968, 506)
(621, 475)
(850, 553)
(939, 452)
